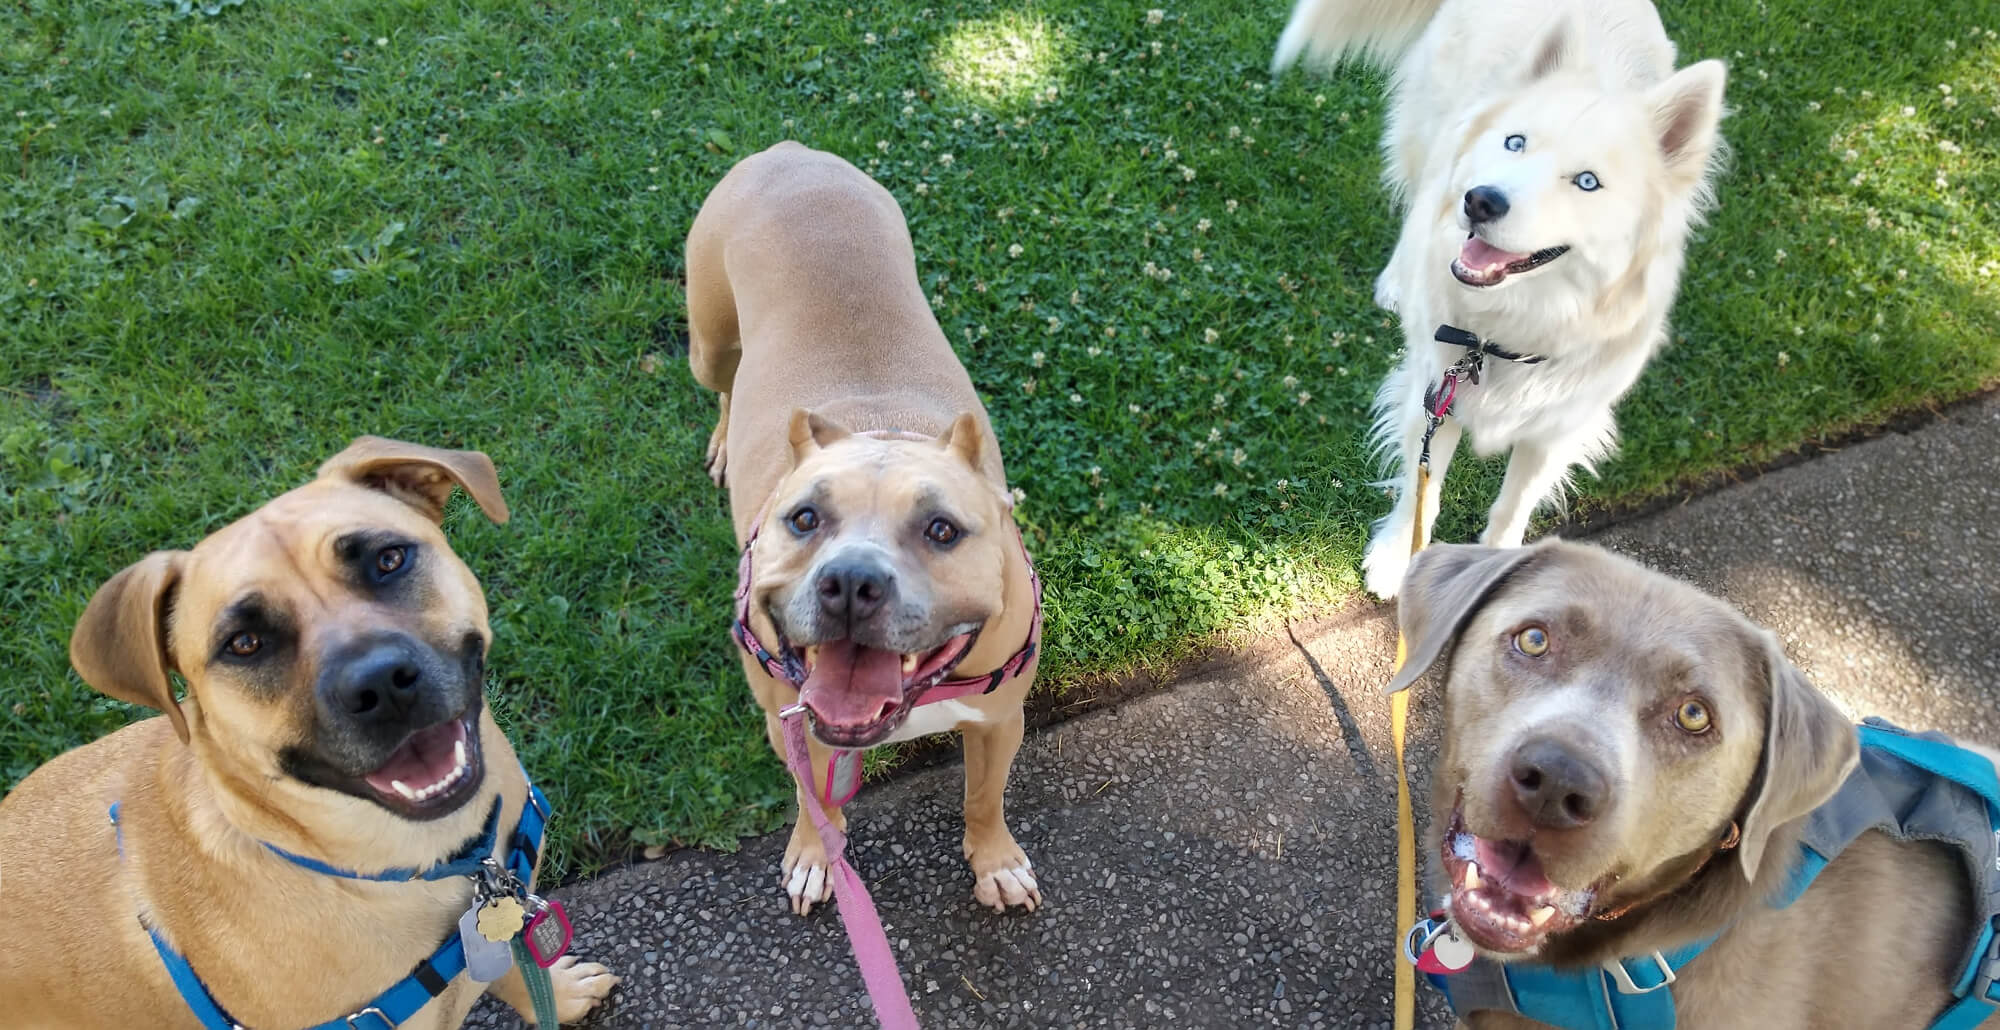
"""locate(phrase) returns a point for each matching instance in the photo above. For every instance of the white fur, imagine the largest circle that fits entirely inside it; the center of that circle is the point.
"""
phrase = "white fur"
(1589, 86)
(936, 717)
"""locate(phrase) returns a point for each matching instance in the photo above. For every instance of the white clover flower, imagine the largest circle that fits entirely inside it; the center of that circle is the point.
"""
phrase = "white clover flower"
(1133, 408)
(1238, 457)
(1014, 250)
(1319, 100)
(1781, 255)
(1076, 398)
(1187, 174)
(869, 39)
(1304, 398)
(1784, 359)
(381, 41)
(908, 110)
(1155, 16)
(1229, 206)
(1214, 434)
(1203, 225)
(1210, 335)
(923, 188)
(1291, 381)
(1222, 489)
(946, 160)
(1284, 484)
(1219, 400)
(1036, 359)
(882, 145)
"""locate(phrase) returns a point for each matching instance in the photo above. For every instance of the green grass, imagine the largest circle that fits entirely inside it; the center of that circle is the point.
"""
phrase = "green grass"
(236, 238)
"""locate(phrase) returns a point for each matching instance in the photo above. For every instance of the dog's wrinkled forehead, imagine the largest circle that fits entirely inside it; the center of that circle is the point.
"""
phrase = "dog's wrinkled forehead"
(883, 484)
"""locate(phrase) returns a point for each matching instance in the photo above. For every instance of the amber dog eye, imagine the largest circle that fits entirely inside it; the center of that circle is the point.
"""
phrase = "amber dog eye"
(1692, 716)
(941, 531)
(389, 560)
(1533, 642)
(243, 645)
(804, 521)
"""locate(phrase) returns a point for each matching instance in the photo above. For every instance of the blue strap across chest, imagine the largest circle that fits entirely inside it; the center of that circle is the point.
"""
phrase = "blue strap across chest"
(1907, 786)
(432, 975)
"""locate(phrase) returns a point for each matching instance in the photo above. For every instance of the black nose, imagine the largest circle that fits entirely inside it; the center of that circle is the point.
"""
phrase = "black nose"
(1558, 788)
(853, 589)
(376, 682)
(1484, 204)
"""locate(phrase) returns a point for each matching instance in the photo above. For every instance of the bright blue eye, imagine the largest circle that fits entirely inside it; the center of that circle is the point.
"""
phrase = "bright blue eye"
(1517, 143)
(1586, 181)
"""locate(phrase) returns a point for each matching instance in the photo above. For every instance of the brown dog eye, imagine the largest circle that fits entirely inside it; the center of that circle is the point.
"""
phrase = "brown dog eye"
(1533, 642)
(1692, 716)
(941, 531)
(805, 520)
(243, 645)
(389, 560)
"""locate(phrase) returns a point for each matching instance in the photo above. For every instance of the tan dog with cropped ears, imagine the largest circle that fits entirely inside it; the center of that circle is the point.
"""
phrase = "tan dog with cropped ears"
(333, 650)
(868, 491)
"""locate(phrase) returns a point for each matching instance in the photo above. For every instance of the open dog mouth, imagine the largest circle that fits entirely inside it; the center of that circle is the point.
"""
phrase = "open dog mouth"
(1482, 264)
(1501, 898)
(434, 770)
(858, 695)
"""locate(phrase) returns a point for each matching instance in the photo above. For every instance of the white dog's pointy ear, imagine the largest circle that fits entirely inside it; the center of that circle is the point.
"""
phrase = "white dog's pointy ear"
(1553, 51)
(1445, 586)
(964, 439)
(1687, 114)
(1809, 748)
(811, 431)
(120, 644)
(419, 476)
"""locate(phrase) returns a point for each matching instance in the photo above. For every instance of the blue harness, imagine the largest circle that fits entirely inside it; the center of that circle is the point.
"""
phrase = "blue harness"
(1911, 787)
(431, 975)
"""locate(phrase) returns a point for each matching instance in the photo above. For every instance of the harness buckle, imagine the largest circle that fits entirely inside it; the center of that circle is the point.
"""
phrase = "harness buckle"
(371, 1010)
(1622, 979)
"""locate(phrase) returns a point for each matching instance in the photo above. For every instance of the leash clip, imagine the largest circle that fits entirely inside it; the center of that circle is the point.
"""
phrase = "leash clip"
(1430, 929)
(791, 710)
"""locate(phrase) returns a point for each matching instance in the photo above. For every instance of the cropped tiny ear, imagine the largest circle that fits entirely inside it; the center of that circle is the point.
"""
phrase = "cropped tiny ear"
(419, 476)
(1445, 586)
(811, 431)
(120, 643)
(1553, 50)
(1809, 748)
(1687, 114)
(964, 437)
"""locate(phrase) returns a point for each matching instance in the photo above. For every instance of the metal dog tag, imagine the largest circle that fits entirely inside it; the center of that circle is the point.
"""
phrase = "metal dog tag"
(500, 919)
(548, 933)
(485, 961)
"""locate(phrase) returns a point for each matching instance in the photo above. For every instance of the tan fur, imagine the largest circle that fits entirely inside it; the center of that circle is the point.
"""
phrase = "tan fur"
(1876, 940)
(806, 316)
(277, 945)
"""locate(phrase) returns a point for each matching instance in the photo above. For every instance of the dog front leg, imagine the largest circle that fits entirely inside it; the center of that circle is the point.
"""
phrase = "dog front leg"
(804, 873)
(1001, 872)
(1534, 471)
(1388, 554)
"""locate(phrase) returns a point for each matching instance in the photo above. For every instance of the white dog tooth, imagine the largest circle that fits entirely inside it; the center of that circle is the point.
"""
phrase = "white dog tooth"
(1541, 915)
(403, 789)
(1472, 880)
(812, 657)
(458, 758)
(909, 664)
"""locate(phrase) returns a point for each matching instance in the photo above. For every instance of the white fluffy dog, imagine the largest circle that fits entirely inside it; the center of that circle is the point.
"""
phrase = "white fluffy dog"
(1551, 164)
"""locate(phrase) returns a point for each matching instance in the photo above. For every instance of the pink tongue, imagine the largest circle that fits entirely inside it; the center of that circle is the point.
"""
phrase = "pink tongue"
(1507, 864)
(852, 685)
(1479, 255)
(424, 759)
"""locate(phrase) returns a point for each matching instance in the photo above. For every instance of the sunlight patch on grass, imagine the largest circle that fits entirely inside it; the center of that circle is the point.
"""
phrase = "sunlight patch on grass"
(1002, 61)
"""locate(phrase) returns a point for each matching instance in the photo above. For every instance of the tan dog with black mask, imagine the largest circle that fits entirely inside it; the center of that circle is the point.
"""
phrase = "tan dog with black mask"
(333, 649)
(1627, 767)
(859, 458)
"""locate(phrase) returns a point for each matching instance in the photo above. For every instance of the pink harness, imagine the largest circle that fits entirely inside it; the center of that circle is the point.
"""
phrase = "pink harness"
(857, 910)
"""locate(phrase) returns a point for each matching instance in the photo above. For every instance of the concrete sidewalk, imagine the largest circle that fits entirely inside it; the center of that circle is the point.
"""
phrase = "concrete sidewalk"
(1222, 853)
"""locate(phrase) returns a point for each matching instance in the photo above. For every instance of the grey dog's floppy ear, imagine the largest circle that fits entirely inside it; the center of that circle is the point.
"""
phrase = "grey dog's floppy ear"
(1809, 748)
(120, 646)
(421, 477)
(1445, 585)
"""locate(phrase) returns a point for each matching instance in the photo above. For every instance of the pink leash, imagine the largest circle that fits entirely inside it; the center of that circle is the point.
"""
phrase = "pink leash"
(857, 910)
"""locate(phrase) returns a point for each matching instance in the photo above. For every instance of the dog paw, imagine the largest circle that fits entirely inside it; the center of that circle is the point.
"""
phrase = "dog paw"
(717, 458)
(1387, 297)
(1387, 559)
(579, 986)
(1002, 877)
(805, 875)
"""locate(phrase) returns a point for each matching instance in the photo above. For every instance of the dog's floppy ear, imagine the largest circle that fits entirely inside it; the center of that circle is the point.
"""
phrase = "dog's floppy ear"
(419, 476)
(811, 431)
(964, 438)
(1809, 748)
(1554, 49)
(120, 644)
(1687, 111)
(1446, 585)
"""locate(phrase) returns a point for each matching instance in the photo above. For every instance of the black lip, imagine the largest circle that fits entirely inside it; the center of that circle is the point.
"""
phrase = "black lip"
(309, 768)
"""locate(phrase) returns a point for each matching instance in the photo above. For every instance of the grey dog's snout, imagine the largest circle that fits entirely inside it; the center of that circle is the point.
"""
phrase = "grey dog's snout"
(1557, 787)
(1484, 204)
(852, 589)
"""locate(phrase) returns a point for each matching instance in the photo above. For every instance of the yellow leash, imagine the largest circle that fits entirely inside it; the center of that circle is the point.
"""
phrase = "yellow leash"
(1406, 830)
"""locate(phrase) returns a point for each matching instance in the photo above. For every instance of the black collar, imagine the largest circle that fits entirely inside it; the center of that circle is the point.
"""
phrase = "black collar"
(1461, 338)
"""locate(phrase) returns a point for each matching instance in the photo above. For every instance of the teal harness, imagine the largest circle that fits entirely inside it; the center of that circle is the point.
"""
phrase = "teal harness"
(1909, 786)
